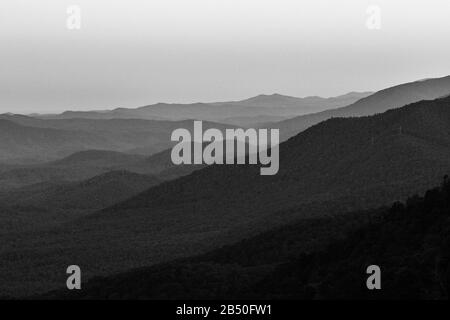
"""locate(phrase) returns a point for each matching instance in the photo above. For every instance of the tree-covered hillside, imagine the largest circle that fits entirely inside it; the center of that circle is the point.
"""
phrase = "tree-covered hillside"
(322, 258)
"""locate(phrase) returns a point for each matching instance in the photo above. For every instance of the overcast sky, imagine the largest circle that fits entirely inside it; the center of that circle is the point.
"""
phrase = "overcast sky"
(130, 53)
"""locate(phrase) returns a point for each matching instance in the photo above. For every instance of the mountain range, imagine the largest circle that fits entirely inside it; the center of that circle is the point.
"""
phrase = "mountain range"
(380, 101)
(40, 138)
(30, 140)
(336, 166)
(99, 189)
(244, 113)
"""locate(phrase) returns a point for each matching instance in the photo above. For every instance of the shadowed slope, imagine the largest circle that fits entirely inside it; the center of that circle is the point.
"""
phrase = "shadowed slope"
(322, 258)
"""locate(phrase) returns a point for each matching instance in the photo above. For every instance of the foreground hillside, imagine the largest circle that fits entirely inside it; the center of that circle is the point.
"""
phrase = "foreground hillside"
(337, 166)
(314, 259)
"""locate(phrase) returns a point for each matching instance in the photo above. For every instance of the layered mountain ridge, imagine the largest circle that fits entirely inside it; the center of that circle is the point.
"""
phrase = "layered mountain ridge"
(339, 165)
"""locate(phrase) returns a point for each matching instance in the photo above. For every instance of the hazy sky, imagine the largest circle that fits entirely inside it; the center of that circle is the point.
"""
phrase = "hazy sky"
(137, 52)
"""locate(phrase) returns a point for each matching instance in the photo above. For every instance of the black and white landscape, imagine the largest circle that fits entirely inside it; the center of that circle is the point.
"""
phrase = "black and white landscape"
(363, 176)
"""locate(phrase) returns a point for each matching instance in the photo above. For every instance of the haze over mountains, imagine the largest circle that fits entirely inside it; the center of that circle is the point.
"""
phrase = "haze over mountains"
(39, 138)
(145, 130)
(88, 164)
(27, 139)
(390, 98)
(335, 166)
(262, 107)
